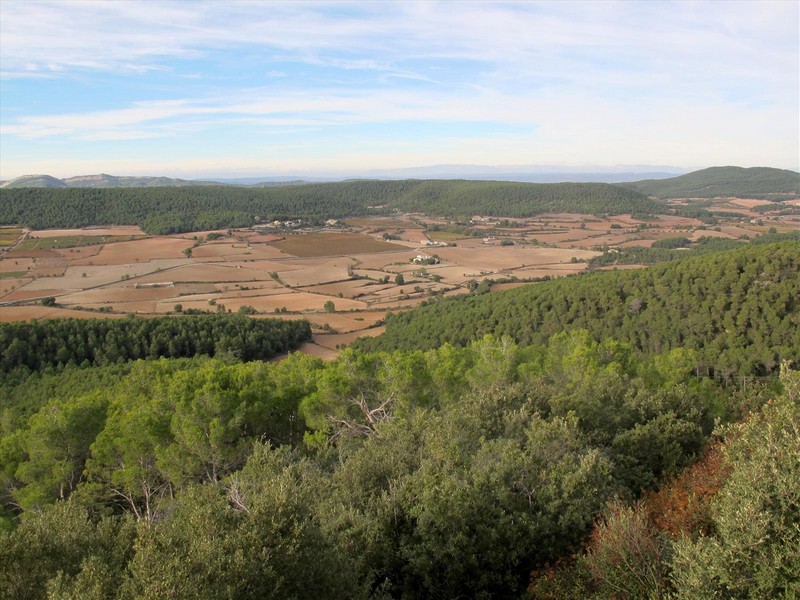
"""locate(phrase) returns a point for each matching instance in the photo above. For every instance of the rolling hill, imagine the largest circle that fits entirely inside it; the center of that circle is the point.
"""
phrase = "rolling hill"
(34, 181)
(194, 208)
(724, 182)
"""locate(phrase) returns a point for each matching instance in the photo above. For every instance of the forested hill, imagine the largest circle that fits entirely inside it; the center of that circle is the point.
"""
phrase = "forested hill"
(724, 182)
(739, 310)
(508, 199)
(177, 209)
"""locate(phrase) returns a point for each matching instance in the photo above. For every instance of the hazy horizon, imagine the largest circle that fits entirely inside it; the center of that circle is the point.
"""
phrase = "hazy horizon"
(525, 172)
(201, 90)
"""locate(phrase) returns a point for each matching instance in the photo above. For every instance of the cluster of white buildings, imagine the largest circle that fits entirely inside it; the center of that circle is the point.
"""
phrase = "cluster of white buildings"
(425, 259)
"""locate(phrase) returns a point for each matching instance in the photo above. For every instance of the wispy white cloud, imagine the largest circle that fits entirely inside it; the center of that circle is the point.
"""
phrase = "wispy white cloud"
(326, 107)
(617, 79)
(529, 38)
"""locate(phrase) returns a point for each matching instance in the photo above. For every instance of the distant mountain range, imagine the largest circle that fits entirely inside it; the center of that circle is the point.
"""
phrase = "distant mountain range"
(706, 183)
(530, 174)
(98, 181)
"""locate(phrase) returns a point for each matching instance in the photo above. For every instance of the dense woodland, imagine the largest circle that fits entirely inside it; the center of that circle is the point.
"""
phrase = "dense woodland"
(446, 473)
(738, 310)
(170, 210)
(164, 210)
(589, 457)
(58, 342)
(724, 182)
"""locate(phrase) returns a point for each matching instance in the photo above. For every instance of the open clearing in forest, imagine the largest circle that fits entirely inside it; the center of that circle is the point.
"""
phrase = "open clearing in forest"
(347, 322)
(315, 350)
(334, 341)
(297, 273)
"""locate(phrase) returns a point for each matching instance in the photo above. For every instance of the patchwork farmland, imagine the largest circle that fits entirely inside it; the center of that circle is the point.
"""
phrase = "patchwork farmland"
(343, 278)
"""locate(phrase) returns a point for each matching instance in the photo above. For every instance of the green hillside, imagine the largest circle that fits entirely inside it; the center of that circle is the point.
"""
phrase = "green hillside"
(175, 209)
(453, 198)
(724, 182)
(739, 310)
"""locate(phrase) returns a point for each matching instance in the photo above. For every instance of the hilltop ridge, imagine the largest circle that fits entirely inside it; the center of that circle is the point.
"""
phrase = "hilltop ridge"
(724, 182)
(706, 183)
(101, 180)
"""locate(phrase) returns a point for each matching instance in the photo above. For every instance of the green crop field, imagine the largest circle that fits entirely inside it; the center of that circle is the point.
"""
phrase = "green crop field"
(9, 236)
(73, 241)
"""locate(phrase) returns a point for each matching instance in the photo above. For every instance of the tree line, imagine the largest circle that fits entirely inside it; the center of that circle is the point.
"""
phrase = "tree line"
(37, 345)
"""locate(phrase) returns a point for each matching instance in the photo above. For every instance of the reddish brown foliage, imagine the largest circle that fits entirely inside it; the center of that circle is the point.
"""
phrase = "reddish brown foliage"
(681, 506)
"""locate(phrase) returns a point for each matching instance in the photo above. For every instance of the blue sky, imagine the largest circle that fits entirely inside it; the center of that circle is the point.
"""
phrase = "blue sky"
(213, 89)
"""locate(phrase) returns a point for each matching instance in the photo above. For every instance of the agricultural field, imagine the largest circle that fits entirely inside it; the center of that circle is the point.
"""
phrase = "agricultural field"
(342, 279)
(329, 244)
(71, 241)
(9, 236)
